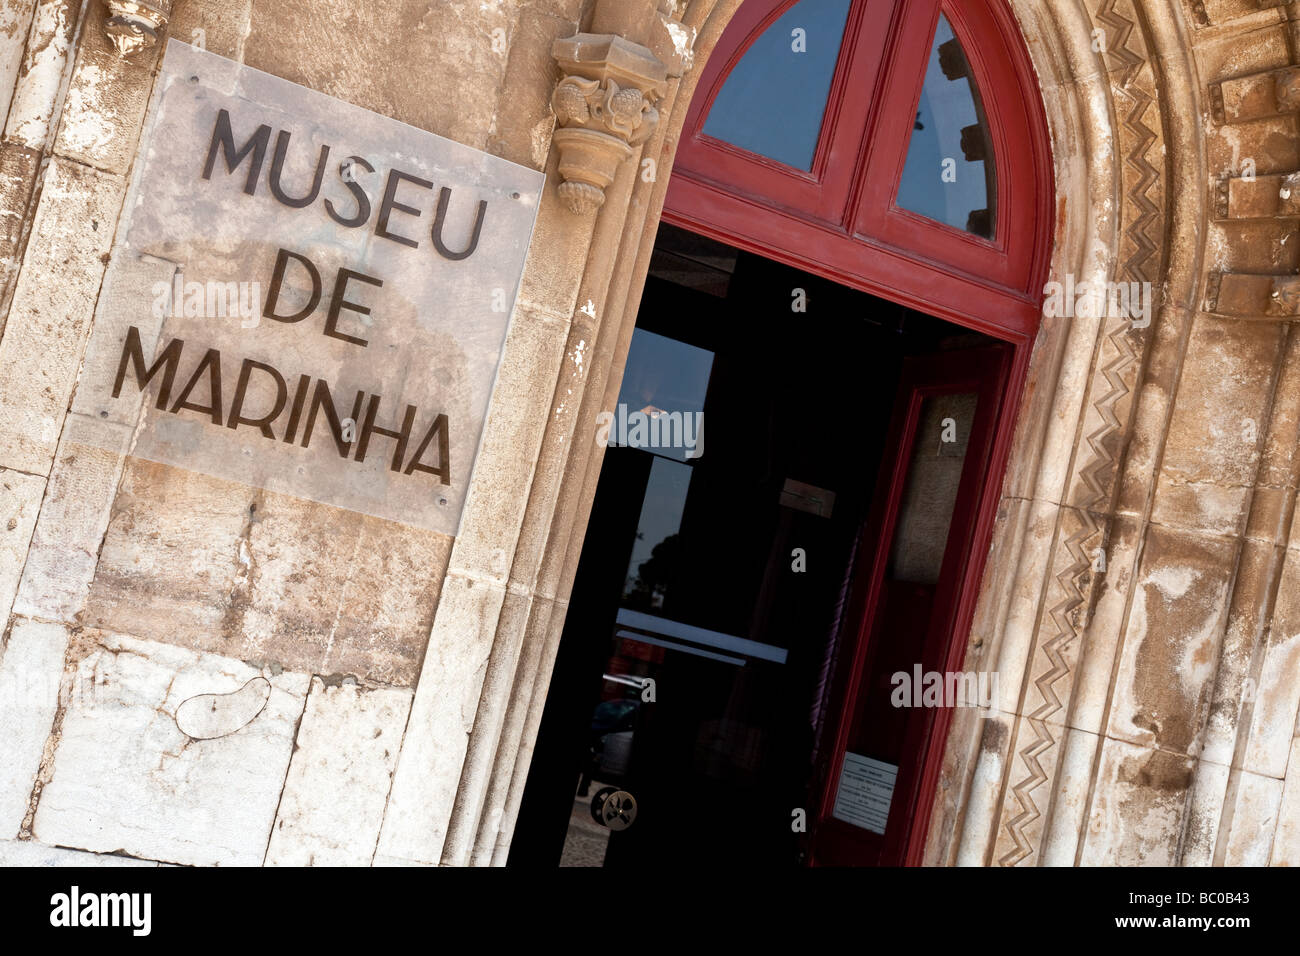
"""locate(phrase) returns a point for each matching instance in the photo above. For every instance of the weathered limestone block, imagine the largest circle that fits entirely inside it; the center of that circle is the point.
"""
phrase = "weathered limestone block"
(39, 78)
(1256, 95)
(216, 566)
(15, 25)
(982, 815)
(219, 26)
(53, 302)
(1256, 42)
(342, 768)
(169, 557)
(1204, 813)
(1171, 644)
(1236, 680)
(1254, 819)
(1286, 842)
(99, 124)
(1213, 447)
(1207, 12)
(30, 853)
(65, 546)
(18, 166)
(355, 52)
(20, 501)
(1258, 197)
(124, 777)
(30, 675)
(442, 717)
(1139, 806)
(524, 121)
(1275, 692)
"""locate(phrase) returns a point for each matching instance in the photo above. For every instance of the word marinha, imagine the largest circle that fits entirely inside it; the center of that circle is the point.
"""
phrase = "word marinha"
(203, 393)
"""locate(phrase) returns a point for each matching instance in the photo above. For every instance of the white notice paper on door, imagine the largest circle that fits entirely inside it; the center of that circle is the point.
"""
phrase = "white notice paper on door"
(866, 789)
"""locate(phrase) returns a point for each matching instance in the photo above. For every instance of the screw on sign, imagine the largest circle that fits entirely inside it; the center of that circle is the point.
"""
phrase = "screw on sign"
(614, 808)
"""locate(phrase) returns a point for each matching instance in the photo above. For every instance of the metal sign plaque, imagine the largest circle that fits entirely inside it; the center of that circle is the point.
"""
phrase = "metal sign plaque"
(305, 296)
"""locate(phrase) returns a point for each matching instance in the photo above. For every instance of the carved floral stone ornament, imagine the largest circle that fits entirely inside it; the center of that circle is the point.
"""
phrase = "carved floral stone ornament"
(606, 106)
(600, 123)
(134, 25)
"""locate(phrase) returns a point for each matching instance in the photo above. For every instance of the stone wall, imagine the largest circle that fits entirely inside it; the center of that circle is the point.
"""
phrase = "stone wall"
(397, 676)
(1138, 604)
(135, 586)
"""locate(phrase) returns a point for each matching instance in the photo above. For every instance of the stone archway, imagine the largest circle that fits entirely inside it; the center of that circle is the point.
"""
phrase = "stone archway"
(1106, 703)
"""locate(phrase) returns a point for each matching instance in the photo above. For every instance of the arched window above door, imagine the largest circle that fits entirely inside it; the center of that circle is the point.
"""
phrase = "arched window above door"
(774, 99)
(898, 146)
(951, 135)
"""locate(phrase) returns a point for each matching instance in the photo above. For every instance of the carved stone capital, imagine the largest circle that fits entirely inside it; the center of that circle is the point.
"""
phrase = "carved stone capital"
(588, 163)
(134, 25)
(606, 104)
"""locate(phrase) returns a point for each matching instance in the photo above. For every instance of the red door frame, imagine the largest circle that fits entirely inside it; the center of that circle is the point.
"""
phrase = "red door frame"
(984, 373)
(856, 236)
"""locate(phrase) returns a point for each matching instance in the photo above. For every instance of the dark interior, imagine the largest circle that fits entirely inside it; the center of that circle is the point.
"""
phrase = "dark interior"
(796, 407)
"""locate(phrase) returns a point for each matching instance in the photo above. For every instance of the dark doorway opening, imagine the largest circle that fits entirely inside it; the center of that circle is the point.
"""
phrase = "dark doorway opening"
(714, 664)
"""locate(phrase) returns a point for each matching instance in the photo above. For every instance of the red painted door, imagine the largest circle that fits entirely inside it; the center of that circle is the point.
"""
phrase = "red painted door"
(892, 113)
(908, 599)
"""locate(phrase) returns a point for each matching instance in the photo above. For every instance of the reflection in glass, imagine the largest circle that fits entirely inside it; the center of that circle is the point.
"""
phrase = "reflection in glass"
(661, 402)
(933, 479)
(950, 175)
(774, 99)
(654, 555)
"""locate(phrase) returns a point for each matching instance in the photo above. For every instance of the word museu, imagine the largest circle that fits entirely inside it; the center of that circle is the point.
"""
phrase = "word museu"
(223, 139)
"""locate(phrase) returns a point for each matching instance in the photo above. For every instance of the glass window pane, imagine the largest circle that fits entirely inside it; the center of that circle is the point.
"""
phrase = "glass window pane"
(661, 403)
(950, 174)
(774, 99)
(933, 480)
(650, 571)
